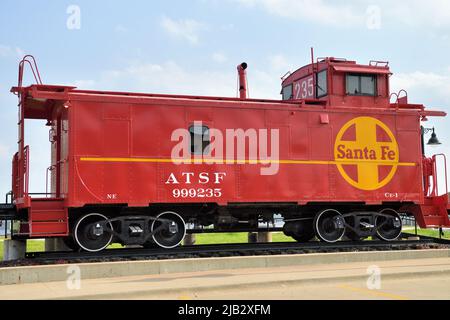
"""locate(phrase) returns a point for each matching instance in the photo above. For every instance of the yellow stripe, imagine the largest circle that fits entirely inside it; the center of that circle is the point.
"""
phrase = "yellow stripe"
(229, 161)
(374, 293)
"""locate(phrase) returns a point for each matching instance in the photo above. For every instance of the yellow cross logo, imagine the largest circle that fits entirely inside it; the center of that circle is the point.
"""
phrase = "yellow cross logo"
(368, 152)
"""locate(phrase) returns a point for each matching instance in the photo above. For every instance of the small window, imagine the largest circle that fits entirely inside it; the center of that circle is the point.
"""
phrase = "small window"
(353, 85)
(287, 92)
(362, 85)
(368, 85)
(322, 86)
(200, 139)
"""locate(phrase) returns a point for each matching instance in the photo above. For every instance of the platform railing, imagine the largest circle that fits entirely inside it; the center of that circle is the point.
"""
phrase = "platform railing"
(435, 192)
(21, 173)
(61, 182)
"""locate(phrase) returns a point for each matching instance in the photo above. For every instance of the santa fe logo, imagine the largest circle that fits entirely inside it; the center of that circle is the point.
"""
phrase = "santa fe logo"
(366, 153)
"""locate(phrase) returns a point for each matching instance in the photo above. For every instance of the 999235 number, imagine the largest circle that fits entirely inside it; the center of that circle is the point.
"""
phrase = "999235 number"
(197, 193)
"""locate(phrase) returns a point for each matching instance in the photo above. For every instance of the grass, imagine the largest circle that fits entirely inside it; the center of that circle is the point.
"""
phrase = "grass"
(242, 237)
(428, 233)
(218, 238)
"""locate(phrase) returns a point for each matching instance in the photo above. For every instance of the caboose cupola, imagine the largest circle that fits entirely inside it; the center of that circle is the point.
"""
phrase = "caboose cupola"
(340, 83)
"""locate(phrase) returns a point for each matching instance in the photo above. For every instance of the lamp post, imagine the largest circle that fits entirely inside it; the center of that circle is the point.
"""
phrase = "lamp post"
(434, 141)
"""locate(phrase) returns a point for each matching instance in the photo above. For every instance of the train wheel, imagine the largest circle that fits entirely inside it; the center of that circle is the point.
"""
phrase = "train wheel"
(388, 228)
(169, 230)
(329, 226)
(89, 233)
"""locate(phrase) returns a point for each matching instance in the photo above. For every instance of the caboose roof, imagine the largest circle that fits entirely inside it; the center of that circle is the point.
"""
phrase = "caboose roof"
(41, 99)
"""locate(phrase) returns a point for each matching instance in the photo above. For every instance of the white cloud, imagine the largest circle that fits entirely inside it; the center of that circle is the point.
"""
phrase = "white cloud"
(84, 84)
(413, 13)
(187, 29)
(219, 57)
(279, 62)
(120, 29)
(227, 27)
(423, 84)
(431, 13)
(421, 79)
(310, 10)
(170, 78)
(4, 151)
(11, 52)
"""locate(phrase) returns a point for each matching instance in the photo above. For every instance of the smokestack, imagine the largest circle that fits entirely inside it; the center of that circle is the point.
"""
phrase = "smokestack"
(242, 80)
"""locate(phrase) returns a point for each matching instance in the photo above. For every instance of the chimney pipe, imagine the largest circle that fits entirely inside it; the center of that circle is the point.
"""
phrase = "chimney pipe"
(242, 80)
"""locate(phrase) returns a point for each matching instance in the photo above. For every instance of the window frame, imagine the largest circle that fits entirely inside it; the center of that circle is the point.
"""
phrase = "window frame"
(360, 75)
(317, 84)
(205, 148)
(292, 92)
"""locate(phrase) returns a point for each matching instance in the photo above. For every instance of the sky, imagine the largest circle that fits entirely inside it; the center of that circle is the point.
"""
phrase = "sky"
(193, 47)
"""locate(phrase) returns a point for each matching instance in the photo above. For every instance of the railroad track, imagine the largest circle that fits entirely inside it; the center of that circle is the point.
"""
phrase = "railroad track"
(226, 250)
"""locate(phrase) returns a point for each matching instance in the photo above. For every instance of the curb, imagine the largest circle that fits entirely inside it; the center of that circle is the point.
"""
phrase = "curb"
(50, 273)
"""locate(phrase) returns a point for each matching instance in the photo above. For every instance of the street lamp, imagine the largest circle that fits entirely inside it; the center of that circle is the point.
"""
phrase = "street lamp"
(434, 141)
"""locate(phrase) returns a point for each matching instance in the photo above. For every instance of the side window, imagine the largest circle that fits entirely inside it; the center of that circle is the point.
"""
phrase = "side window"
(287, 92)
(200, 139)
(362, 85)
(368, 85)
(322, 86)
(353, 84)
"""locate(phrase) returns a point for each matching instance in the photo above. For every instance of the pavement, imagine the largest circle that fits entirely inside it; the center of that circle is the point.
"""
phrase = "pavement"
(392, 280)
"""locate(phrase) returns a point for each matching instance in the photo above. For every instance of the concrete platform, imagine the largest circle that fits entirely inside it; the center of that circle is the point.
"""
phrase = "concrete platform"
(398, 280)
(49, 273)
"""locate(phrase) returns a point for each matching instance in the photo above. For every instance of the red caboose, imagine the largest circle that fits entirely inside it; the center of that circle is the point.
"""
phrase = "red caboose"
(335, 157)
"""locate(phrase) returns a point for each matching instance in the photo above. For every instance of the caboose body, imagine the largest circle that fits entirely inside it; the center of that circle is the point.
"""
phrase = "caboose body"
(335, 158)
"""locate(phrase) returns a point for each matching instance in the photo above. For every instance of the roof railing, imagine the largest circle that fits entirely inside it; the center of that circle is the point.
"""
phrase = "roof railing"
(376, 63)
(34, 69)
(399, 99)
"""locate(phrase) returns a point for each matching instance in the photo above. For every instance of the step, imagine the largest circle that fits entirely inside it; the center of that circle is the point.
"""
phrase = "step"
(47, 204)
(48, 228)
(47, 215)
(434, 220)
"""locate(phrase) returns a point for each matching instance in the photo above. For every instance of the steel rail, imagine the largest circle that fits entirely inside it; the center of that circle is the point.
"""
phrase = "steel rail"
(217, 250)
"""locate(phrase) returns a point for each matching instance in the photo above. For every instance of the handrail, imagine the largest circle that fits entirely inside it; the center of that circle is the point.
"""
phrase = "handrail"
(34, 69)
(393, 94)
(20, 168)
(435, 180)
(51, 168)
(15, 174)
(397, 95)
(26, 170)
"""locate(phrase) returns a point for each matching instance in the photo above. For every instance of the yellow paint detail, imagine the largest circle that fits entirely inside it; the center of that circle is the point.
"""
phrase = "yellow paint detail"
(366, 138)
(263, 162)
